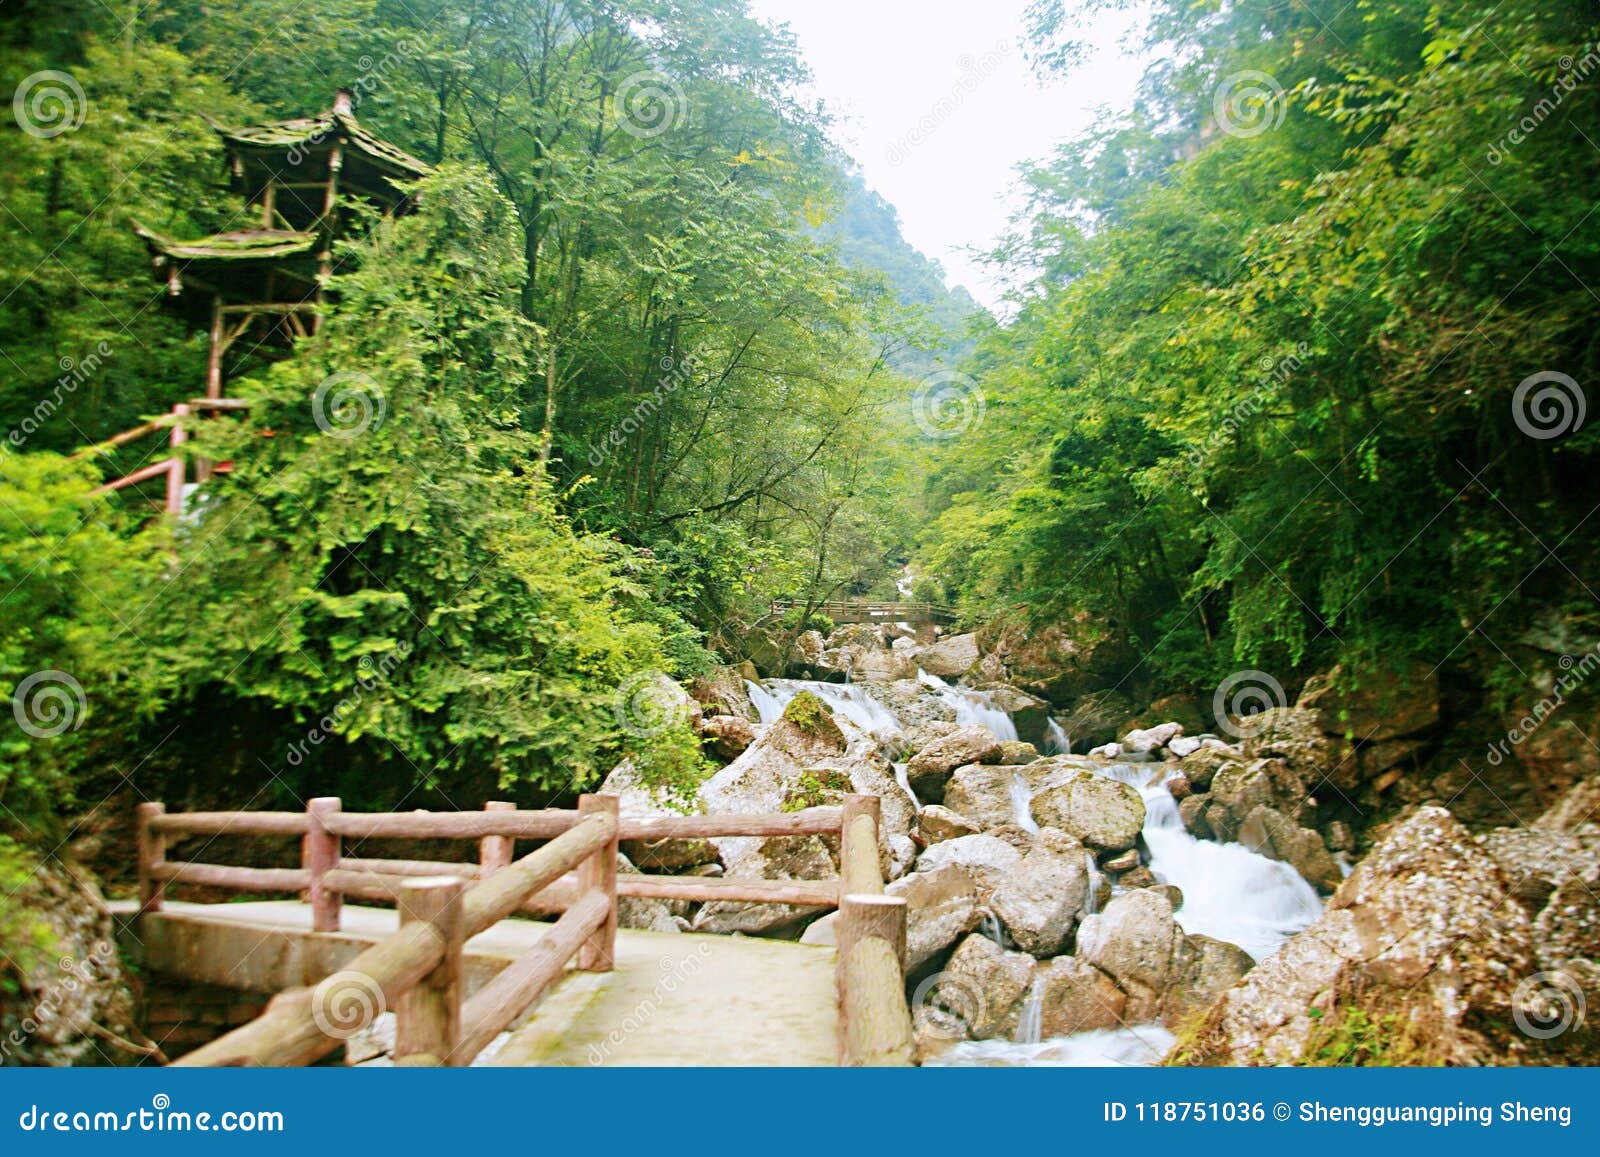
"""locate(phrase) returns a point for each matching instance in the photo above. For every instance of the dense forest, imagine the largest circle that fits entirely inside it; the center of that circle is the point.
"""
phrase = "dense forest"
(1297, 373)
(625, 377)
(1291, 374)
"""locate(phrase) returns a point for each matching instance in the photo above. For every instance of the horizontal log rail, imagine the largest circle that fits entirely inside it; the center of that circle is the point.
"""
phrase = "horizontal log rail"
(417, 971)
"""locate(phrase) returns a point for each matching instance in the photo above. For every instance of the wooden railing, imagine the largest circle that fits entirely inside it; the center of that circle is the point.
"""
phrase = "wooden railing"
(863, 611)
(172, 466)
(443, 904)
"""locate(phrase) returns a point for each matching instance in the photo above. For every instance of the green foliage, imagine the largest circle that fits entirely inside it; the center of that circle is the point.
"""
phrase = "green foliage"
(816, 787)
(28, 940)
(1259, 403)
(73, 657)
(672, 765)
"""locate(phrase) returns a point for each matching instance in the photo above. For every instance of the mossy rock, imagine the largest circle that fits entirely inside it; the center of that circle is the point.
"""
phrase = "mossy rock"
(817, 787)
(814, 718)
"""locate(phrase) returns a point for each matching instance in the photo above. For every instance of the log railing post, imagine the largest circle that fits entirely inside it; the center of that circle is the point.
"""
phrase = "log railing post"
(496, 852)
(874, 1020)
(175, 472)
(152, 849)
(427, 1016)
(859, 868)
(599, 872)
(319, 855)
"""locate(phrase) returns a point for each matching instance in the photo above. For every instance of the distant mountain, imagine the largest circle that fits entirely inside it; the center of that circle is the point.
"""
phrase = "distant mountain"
(867, 234)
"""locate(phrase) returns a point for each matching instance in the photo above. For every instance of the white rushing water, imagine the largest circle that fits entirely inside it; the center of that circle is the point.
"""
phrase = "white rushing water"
(1056, 739)
(970, 706)
(847, 699)
(1140, 1046)
(1229, 892)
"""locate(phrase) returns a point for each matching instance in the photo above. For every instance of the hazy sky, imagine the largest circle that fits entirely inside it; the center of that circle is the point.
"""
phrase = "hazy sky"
(938, 105)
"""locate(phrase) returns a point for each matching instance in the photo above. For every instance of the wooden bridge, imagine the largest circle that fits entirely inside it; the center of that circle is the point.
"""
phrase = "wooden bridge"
(459, 970)
(865, 611)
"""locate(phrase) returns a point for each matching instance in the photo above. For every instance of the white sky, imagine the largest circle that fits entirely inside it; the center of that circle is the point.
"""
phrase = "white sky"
(887, 67)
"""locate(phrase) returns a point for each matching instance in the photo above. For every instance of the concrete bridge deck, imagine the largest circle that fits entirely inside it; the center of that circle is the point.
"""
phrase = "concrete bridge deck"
(672, 999)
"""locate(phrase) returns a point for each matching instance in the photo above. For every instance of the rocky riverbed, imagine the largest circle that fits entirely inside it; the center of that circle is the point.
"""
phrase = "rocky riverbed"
(1175, 894)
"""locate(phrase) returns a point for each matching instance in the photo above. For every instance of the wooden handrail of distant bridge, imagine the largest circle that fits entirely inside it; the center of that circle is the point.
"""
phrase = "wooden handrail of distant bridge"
(867, 611)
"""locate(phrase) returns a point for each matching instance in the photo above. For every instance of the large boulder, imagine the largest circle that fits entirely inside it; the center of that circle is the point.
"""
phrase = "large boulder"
(930, 768)
(941, 907)
(1239, 788)
(1163, 974)
(724, 691)
(1274, 835)
(1061, 661)
(985, 986)
(636, 800)
(950, 657)
(1377, 705)
(728, 736)
(1423, 943)
(1040, 901)
(1295, 735)
(1579, 805)
(987, 859)
(937, 822)
(1098, 717)
(807, 756)
(984, 794)
(1104, 813)
(1075, 996)
(640, 913)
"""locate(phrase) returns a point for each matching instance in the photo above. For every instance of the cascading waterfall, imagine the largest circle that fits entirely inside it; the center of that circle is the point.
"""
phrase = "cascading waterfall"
(1022, 802)
(970, 706)
(1096, 877)
(847, 699)
(1056, 739)
(1030, 1027)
